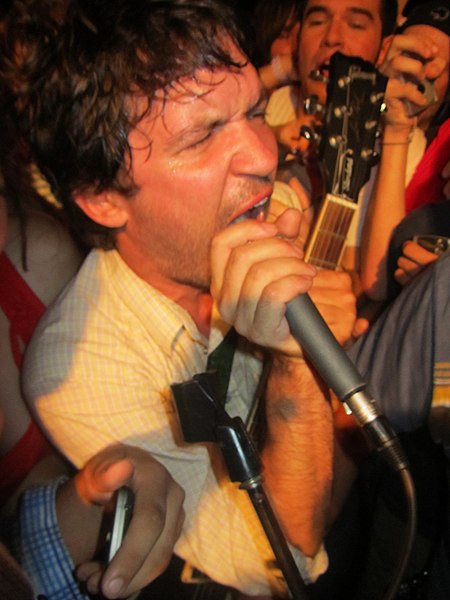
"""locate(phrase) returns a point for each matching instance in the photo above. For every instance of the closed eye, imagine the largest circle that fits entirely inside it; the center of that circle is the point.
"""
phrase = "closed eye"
(207, 135)
(358, 25)
(259, 110)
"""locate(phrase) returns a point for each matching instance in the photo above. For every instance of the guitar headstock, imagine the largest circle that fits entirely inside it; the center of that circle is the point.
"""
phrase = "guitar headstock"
(355, 93)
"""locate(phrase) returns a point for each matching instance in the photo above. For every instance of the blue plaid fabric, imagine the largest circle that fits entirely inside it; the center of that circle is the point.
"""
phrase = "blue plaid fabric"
(42, 551)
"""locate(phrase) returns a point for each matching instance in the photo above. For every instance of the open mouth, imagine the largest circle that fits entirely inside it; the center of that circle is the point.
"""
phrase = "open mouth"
(321, 73)
(258, 212)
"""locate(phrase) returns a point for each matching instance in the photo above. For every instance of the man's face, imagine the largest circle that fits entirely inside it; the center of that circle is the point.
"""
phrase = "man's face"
(352, 27)
(211, 159)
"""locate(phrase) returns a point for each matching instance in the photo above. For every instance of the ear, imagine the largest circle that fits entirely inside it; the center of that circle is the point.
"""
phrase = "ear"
(385, 44)
(107, 209)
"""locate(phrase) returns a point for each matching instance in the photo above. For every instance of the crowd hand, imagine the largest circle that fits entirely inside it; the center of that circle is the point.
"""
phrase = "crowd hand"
(256, 269)
(332, 293)
(305, 207)
(289, 137)
(287, 67)
(280, 71)
(404, 70)
(412, 262)
(155, 525)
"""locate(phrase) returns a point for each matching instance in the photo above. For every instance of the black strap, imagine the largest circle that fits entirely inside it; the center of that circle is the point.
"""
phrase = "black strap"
(221, 360)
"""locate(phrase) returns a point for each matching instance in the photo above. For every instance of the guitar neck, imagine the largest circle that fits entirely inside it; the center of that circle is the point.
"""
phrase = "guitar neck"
(327, 242)
(355, 93)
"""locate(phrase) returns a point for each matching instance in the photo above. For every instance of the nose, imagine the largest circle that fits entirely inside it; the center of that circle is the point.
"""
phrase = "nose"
(333, 34)
(256, 151)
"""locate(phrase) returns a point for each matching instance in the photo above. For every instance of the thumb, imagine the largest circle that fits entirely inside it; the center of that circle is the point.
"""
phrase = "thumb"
(288, 223)
(97, 485)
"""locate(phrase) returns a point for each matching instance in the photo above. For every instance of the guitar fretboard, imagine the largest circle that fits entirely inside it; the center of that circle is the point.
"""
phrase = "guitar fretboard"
(327, 243)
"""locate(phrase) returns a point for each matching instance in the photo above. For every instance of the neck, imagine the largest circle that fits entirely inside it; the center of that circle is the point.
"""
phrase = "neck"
(197, 302)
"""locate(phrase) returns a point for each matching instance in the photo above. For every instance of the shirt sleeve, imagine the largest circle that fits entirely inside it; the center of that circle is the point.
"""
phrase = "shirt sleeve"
(42, 552)
(404, 353)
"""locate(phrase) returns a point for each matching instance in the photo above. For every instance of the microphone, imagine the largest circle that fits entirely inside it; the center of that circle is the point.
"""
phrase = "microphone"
(340, 374)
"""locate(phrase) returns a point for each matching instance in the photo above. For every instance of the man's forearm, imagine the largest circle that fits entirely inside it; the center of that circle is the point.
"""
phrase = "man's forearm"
(298, 453)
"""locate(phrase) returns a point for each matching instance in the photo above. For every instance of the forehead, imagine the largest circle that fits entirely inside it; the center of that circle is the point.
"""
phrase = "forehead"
(209, 98)
(372, 6)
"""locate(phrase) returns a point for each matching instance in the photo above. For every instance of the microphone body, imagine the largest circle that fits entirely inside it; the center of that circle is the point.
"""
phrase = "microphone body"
(340, 374)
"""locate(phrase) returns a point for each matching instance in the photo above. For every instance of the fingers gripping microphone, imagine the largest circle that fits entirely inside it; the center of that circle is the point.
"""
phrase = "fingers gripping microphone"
(339, 373)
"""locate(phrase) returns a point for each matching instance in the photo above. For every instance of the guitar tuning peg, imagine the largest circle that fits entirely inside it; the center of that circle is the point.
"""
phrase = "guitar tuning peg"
(368, 125)
(366, 153)
(374, 98)
(335, 140)
(340, 111)
(308, 133)
(312, 105)
(370, 155)
(344, 81)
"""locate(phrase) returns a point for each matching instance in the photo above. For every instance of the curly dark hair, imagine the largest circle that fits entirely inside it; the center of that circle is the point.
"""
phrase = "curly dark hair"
(73, 65)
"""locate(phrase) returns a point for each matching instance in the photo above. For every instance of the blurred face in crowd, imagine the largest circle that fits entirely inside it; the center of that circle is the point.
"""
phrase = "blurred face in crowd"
(352, 27)
(286, 42)
(202, 159)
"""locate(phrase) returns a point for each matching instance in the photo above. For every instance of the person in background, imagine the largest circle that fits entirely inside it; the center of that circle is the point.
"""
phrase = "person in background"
(410, 173)
(360, 29)
(273, 32)
(38, 258)
(50, 521)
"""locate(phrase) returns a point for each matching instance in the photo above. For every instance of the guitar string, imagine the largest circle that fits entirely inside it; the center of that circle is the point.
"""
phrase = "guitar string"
(344, 154)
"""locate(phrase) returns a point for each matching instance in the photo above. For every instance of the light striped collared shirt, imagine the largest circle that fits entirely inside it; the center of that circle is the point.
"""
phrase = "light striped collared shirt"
(99, 370)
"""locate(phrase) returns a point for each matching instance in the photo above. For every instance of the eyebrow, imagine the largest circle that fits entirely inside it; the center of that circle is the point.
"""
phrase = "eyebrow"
(209, 121)
(359, 10)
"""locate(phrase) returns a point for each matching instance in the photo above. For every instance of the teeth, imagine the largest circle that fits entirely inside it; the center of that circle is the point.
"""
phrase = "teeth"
(260, 210)
(317, 75)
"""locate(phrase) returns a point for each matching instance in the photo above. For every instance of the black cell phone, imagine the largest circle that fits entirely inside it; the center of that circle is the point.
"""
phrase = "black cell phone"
(117, 517)
(433, 243)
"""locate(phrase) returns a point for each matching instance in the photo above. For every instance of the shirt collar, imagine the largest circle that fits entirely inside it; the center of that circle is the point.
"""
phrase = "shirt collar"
(165, 320)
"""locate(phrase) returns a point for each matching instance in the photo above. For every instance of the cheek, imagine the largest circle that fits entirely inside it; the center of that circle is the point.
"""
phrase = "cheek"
(364, 45)
(307, 48)
(190, 193)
